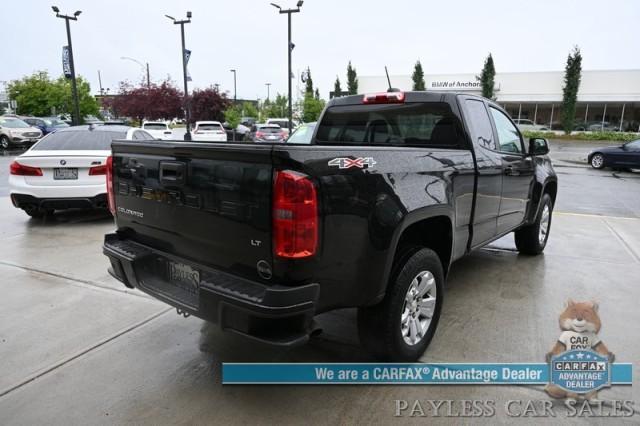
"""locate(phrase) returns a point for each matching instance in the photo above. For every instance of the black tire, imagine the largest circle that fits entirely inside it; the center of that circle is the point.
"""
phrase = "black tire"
(529, 239)
(597, 161)
(5, 143)
(380, 326)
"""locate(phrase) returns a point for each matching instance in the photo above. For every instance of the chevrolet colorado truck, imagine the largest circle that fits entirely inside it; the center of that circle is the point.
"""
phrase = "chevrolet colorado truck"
(371, 213)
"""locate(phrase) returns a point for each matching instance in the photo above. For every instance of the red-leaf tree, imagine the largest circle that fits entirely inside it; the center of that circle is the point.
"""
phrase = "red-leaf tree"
(208, 104)
(158, 101)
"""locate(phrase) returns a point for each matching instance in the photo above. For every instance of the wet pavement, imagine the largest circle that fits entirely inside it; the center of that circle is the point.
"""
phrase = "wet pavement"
(77, 347)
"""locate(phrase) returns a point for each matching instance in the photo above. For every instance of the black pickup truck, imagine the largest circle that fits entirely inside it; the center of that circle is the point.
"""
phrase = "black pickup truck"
(391, 190)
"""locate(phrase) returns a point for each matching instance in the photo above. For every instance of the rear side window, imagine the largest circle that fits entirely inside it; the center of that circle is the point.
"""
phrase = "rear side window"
(273, 129)
(78, 140)
(412, 124)
(155, 126)
(209, 127)
(479, 123)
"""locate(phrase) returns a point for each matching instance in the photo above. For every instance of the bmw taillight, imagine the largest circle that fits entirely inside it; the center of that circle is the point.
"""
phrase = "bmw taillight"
(18, 169)
(98, 170)
(295, 215)
(111, 196)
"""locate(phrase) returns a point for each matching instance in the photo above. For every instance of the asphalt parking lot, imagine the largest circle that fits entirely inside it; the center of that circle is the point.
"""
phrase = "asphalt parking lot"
(77, 347)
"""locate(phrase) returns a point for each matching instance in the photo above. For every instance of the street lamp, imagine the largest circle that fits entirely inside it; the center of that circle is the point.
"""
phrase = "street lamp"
(74, 86)
(290, 47)
(187, 135)
(145, 68)
(234, 87)
(268, 87)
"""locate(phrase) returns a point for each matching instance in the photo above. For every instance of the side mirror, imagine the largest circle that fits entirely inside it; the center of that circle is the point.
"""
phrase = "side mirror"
(538, 146)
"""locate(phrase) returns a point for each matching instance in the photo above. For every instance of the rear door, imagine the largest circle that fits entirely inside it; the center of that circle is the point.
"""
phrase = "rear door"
(517, 172)
(206, 203)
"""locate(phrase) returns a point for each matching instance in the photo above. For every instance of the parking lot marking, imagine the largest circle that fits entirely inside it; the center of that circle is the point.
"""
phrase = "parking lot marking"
(82, 352)
(622, 241)
(76, 281)
(601, 216)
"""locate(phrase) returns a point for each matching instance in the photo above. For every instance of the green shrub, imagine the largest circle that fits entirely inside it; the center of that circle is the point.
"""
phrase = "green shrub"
(585, 136)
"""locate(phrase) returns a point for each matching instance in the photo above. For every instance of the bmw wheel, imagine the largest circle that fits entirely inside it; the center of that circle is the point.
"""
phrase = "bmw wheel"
(597, 161)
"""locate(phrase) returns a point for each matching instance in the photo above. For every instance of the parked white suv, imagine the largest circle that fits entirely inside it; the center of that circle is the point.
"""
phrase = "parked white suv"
(158, 129)
(209, 131)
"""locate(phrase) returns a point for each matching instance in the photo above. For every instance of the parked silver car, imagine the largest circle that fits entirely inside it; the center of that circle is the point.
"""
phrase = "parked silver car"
(528, 125)
(15, 132)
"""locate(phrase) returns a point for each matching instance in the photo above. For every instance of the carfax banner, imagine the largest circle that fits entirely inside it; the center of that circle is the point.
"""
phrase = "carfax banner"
(577, 376)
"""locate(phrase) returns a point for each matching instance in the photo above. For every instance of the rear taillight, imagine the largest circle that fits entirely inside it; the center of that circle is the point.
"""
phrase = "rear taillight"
(98, 170)
(295, 215)
(259, 135)
(198, 132)
(111, 196)
(18, 169)
(383, 98)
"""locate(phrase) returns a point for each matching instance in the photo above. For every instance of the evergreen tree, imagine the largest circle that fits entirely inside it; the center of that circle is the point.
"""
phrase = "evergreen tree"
(309, 83)
(418, 77)
(352, 80)
(337, 90)
(572, 76)
(487, 78)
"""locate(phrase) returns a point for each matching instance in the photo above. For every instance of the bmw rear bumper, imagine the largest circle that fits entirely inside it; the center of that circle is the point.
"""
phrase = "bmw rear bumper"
(25, 201)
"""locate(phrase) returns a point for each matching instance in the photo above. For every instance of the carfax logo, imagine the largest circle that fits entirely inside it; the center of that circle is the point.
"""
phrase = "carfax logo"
(580, 371)
(579, 361)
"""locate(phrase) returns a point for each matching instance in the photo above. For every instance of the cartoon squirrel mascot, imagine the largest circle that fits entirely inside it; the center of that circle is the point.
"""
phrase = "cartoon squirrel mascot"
(580, 325)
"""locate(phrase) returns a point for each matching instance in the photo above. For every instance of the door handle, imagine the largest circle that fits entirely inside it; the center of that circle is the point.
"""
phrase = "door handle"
(510, 171)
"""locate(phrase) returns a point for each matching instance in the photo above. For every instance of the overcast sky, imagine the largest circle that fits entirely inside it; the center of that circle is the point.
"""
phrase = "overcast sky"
(452, 36)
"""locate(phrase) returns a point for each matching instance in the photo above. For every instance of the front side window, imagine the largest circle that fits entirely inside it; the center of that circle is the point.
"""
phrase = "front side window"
(421, 124)
(508, 135)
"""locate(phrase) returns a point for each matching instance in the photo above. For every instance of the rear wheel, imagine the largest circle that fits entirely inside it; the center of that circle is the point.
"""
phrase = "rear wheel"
(597, 161)
(401, 326)
(4, 142)
(532, 239)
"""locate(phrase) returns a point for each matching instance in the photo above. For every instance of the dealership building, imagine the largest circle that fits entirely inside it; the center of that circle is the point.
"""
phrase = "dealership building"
(610, 98)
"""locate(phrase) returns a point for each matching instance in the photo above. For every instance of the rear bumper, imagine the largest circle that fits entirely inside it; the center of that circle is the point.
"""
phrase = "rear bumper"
(273, 314)
(25, 201)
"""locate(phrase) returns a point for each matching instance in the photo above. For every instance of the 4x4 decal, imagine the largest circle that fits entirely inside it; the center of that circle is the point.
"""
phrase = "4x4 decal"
(347, 163)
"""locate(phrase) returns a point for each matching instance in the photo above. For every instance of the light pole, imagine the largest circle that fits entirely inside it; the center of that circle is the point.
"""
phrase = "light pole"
(290, 47)
(268, 87)
(234, 87)
(74, 87)
(187, 135)
(145, 68)
(217, 86)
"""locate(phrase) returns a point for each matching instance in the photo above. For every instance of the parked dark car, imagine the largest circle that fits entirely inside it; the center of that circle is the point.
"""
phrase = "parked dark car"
(626, 156)
(46, 124)
(393, 188)
(265, 133)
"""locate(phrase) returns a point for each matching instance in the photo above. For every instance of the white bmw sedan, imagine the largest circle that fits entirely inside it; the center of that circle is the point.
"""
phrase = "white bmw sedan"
(66, 169)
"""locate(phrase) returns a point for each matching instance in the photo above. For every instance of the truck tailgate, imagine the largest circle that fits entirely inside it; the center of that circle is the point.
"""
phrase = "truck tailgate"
(207, 203)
